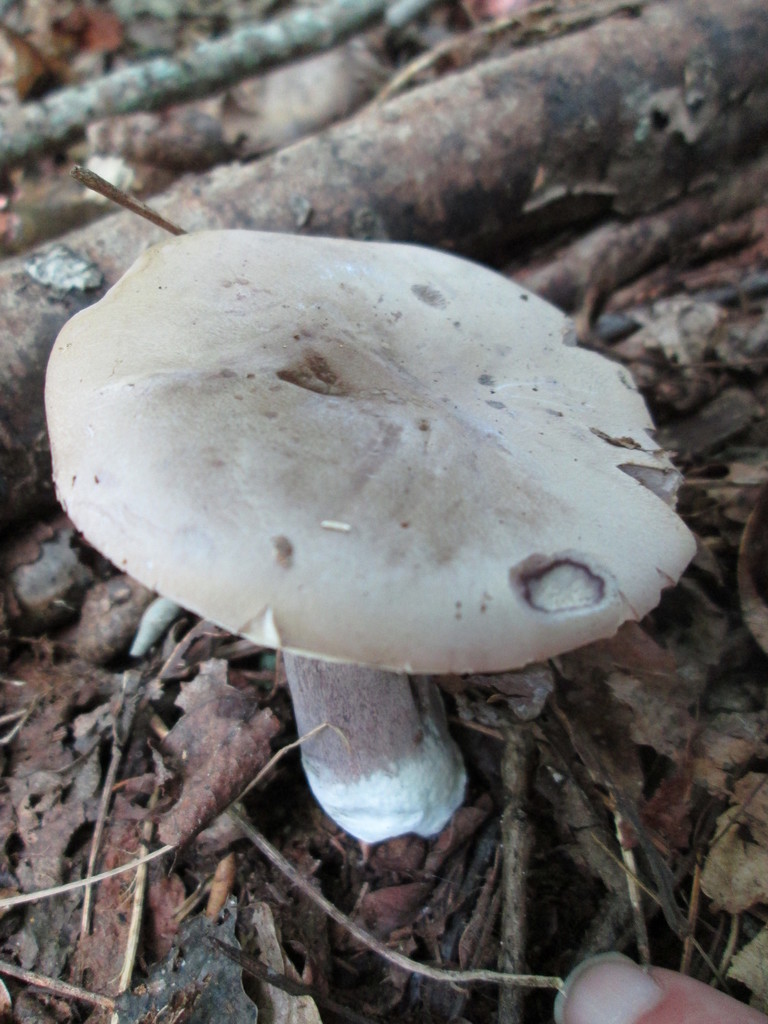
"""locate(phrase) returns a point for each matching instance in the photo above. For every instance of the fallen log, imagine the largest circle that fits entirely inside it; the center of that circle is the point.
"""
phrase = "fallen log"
(584, 273)
(614, 121)
(34, 127)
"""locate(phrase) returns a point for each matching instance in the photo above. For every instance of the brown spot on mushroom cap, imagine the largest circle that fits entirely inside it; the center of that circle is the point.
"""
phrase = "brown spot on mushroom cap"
(313, 372)
(216, 426)
(283, 551)
(430, 295)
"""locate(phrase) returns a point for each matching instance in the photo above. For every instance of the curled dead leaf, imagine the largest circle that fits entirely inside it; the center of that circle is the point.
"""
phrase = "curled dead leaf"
(735, 875)
(222, 740)
(34, 72)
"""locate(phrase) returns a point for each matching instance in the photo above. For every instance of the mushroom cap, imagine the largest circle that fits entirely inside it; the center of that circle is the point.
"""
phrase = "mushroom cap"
(364, 452)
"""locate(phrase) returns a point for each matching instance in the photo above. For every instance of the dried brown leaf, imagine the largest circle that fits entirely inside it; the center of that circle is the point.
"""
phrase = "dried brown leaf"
(35, 72)
(735, 875)
(651, 702)
(50, 807)
(465, 823)
(394, 906)
(751, 792)
(222, 740)
(683, 328)
(90, 28)
(164, 896)
(660, 719)
(750, 966)
(632, 649)
(668, 811)
(729, 742)
(599, 726)
(401, 856)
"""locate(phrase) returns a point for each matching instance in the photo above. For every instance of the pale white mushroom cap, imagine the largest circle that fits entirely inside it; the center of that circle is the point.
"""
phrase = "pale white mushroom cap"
(361, 451)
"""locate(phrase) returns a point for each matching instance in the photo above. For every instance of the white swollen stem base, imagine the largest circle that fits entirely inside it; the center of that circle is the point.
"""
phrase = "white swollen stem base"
(392, 766)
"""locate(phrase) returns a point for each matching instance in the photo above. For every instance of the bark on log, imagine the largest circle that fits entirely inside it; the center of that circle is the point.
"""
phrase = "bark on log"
(616, 120)
(587, 271)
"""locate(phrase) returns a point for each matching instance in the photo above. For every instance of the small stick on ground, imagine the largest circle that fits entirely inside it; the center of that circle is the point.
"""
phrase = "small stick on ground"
(286, 750)
(237, 815)
(56, 987)
(663, 878)
(635, 896)
(193, 901)
(121, 727)
(57, 890)
(693, 916)
(17, 720)
(730, 946)
(137, 911)
(517, 840)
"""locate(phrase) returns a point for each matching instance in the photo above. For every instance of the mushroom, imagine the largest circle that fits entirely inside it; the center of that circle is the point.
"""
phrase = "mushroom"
(385, 460)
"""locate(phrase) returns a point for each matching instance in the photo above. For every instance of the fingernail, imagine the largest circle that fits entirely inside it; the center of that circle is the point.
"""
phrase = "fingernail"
(610, 989)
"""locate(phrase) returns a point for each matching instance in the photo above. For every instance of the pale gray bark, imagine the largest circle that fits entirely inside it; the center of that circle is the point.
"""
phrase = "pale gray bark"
(155, 83)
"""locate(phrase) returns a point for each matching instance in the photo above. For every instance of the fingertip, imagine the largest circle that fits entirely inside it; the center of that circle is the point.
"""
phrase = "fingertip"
(609, 989)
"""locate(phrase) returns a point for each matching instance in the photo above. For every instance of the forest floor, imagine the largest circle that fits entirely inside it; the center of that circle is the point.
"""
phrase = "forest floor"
(657, 736)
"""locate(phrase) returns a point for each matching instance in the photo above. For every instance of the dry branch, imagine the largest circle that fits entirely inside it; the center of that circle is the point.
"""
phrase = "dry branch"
(153, 84)
(611, 122)
(392, 956)
(52, 986)
(517, 843)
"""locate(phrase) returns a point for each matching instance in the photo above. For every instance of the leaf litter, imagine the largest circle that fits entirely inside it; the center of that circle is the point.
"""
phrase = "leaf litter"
(664, 727)
(661, 732)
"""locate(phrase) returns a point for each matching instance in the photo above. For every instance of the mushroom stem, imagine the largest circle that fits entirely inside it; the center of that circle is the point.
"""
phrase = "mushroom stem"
(389, 765)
